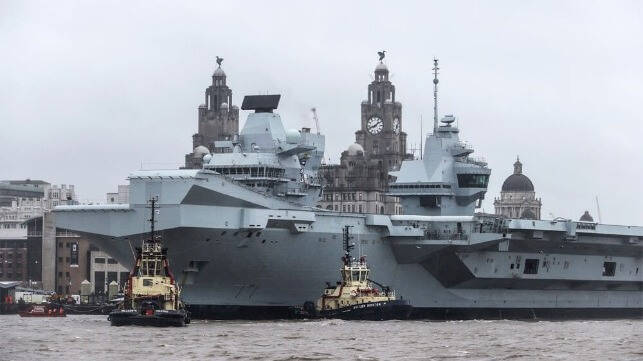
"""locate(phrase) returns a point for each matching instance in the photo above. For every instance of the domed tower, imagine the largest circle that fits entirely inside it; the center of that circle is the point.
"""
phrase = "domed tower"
(218, 118)
(517, 196)
(381, 133)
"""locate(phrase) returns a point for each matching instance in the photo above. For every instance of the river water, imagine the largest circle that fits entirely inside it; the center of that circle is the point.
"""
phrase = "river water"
(80, 337)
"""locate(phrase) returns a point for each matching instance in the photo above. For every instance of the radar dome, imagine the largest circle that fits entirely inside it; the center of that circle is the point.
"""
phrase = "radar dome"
(355, 149)
(292, 136)
(206, 158)
(200, 151)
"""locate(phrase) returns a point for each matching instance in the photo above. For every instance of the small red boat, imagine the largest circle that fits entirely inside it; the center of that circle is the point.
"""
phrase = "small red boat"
(44, 311)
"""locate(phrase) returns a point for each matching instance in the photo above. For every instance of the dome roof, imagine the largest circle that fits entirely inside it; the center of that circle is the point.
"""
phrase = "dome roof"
(381, 66)
(517, 182)
(200, 151)
(355, 149)
(219, 71)
(586, 217)
(528, 214)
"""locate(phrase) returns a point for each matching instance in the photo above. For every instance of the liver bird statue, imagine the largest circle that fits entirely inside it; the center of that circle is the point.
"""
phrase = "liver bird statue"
(382, 54)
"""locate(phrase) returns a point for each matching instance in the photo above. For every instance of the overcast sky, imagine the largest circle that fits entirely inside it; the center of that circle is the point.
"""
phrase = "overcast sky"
(91, 91)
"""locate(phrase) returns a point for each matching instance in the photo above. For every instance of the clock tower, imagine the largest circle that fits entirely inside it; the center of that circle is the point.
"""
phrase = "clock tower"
(381, 133)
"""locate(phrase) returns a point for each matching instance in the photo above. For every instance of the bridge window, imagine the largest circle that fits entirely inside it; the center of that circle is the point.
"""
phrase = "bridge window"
(609, 269)
(473, 180)
(531, 266)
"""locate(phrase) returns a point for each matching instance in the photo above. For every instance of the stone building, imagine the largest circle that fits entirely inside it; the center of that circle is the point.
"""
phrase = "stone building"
(359, 182)
(218, 120)
(104, 270)
(357, 185)
(517, 196)
(381, 133)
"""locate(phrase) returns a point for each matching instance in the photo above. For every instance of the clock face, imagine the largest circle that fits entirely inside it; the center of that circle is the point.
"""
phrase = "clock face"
(374, 125)
(396, 125)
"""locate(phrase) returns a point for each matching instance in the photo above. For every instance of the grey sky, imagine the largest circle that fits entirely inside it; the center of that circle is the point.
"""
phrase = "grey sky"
(90, 91)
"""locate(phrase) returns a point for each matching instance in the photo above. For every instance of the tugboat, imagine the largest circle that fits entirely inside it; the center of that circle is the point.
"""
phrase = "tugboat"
(45, 310)
(152, 297)
(354, 297)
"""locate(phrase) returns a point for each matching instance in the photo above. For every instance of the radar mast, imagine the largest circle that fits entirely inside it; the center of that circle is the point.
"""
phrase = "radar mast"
(435, 94)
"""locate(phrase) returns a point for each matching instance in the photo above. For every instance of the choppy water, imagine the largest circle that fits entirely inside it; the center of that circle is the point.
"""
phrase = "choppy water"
(92, 338)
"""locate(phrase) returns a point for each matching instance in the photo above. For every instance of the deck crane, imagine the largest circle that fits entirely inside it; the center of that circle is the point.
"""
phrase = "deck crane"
(314, 110)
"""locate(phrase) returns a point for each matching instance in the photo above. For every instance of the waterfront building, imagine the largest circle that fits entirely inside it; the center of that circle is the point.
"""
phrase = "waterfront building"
(104, 270)
(21, 203)
(517, 196)
(218, 120)
(359, 183)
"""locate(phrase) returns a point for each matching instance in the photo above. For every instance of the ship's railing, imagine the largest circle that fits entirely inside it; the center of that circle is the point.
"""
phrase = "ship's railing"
(425, 188)
(434, 234)
(460, 231)
(461, 148)
(472, 160)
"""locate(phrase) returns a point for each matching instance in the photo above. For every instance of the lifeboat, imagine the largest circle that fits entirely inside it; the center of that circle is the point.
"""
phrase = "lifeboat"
(46, 310)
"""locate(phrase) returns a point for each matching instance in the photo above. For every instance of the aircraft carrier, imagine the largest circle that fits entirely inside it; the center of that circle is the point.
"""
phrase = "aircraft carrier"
(247, 240)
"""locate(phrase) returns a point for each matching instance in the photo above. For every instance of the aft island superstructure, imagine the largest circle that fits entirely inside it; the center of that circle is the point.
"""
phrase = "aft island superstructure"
(247, 240)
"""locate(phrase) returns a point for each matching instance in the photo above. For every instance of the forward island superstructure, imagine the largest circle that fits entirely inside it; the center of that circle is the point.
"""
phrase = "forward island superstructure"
(247, 240)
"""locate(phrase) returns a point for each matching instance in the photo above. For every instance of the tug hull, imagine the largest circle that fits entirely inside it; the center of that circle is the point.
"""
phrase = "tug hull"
(372, 311)
(178, 318)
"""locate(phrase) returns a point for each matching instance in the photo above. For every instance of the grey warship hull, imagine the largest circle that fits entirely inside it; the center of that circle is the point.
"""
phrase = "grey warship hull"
(259, 262)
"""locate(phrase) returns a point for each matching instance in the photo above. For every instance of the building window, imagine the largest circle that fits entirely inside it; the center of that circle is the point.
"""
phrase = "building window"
(99, 260)
(111, 261)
